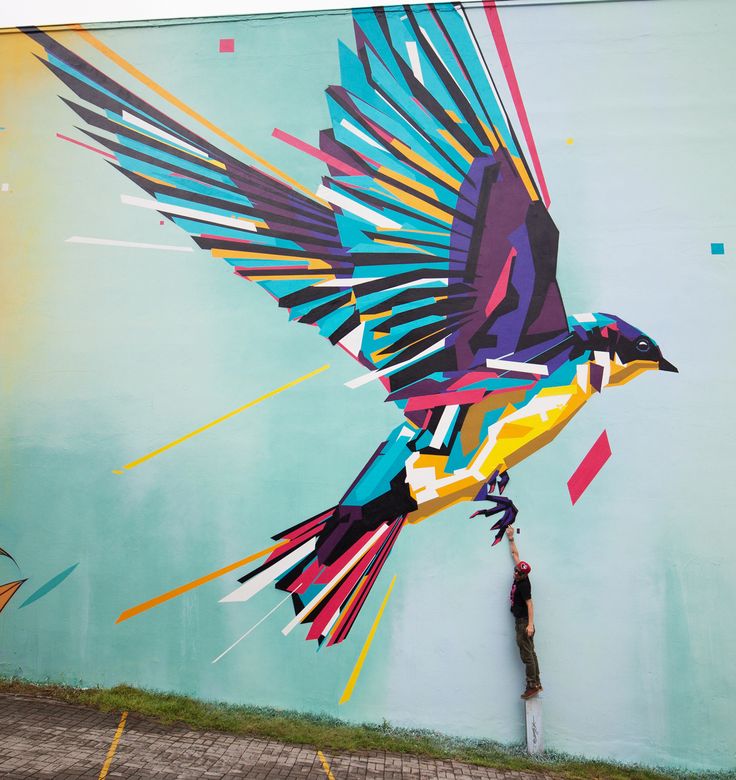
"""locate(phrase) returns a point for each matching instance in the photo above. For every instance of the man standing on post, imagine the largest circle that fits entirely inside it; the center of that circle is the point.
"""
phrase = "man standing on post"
(522, 608)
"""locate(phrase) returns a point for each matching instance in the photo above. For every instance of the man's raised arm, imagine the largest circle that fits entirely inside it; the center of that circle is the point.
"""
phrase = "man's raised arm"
(512, 545)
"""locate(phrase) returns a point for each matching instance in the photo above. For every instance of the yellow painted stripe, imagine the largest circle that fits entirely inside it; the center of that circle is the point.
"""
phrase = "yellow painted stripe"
(164, 93)
(111, 752)
(423, 164)
(521, 168)
(492, 135)
(144, 458)
(348, 692)
(402, 245)
(172, 594)
(266, 276)
(415, 185)
(325, 765)
(439, 211)
(154, 179)
(314, 262)
(455, 118)
(457, 146)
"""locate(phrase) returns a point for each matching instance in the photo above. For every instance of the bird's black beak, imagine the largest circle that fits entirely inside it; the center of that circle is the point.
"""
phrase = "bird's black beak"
(665, 365)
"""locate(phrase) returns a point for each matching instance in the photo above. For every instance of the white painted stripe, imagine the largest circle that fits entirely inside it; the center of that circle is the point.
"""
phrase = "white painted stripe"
(337, 199)
(354, 340)
(416, 65)
(443, 426)
(352, 282)
(437, 54)
(267, 576)
(129, 244)
(148, 127)
(363, 379)
(515, 365)
(417, 282)
(581, 376)
(346, 282)
(603, 359)
(331, 622)
(356, 131)
(252, 628)
(330, 586)
(585, 317)
(184, 211)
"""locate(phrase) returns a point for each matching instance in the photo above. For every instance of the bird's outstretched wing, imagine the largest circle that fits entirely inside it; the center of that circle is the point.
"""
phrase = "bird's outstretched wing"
(426, 251)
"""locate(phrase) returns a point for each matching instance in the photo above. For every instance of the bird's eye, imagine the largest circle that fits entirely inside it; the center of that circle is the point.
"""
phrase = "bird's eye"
(643, 344)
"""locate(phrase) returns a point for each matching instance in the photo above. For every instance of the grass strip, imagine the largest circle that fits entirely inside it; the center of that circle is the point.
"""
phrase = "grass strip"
(328, 733)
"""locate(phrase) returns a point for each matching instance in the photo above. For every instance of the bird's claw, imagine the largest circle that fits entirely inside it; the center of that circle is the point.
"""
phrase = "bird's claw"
(507, 509)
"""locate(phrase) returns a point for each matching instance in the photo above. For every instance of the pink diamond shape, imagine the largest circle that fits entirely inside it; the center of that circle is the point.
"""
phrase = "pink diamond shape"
(227, 45)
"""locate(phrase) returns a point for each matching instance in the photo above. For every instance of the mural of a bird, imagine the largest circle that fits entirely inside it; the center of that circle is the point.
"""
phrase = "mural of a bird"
(427, 254)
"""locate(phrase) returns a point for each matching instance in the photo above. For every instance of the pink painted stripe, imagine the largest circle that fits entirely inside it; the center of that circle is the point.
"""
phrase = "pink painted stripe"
(508, 68)
(589, 467)
(502, 285)
(86, 146)
(445, 399)
(226, 238)
(318, 153)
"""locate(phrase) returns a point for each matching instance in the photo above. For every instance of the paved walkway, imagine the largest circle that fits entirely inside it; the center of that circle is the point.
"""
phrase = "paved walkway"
(43, 738)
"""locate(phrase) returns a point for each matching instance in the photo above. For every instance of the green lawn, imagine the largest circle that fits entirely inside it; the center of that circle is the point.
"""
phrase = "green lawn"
(326, 733)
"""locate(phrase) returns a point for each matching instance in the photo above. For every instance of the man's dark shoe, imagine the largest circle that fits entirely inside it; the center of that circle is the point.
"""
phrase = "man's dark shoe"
(530, 692)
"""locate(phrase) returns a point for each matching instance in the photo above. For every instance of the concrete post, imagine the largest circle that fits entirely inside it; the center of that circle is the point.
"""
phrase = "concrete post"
(534, 734)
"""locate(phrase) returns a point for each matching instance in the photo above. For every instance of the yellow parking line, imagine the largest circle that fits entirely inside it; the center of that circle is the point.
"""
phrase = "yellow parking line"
(325, 765)
(111, 752)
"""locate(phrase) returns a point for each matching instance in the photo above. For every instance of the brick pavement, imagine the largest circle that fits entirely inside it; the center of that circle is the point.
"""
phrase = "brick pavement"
(42, 738)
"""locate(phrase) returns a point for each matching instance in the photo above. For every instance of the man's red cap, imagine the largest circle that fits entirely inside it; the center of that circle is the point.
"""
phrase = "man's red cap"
(523, 567)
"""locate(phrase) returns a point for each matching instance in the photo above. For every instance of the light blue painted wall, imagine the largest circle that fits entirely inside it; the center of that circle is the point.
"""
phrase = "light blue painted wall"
(123, 351)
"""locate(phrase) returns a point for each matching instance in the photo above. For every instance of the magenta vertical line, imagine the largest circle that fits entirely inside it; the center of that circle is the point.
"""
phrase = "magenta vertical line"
(499, 39)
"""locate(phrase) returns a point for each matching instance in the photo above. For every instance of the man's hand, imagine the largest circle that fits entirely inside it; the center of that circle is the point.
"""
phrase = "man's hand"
(510, 533)
(530, 630)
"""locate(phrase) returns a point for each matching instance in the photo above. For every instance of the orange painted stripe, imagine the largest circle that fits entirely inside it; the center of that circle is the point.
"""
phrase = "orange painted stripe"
(423, 164)
(314, 262)
(415, 185)
(164, 93)
(492, 135)
(172, 594)
(438, 211)
(402, 245)
(457, 146)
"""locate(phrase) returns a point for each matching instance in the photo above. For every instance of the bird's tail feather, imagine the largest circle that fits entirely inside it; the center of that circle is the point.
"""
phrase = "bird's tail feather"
(327, 596)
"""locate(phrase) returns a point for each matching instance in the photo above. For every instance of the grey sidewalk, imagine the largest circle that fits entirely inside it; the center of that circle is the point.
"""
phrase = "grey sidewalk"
(44, 738)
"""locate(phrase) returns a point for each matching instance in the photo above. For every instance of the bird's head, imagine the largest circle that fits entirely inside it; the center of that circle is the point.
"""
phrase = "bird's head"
(619, 350)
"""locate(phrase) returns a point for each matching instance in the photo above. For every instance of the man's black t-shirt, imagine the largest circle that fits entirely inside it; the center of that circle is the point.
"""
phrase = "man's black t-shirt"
(521, 592)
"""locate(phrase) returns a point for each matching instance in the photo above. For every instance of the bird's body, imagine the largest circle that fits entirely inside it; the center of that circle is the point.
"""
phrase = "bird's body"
(454, 455)
(428, 254)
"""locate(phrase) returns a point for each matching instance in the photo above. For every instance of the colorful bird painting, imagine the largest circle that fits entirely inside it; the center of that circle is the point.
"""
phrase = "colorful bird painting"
(427, 254)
